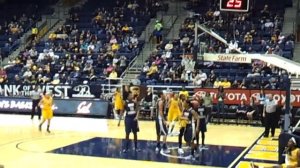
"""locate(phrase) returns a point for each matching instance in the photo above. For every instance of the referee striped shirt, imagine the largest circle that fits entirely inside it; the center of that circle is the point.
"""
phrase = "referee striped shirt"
(270, 106)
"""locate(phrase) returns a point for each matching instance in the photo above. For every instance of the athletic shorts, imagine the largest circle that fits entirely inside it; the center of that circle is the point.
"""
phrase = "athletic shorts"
(131, 125)
(161, 128)
(189, 133)
(202, 125)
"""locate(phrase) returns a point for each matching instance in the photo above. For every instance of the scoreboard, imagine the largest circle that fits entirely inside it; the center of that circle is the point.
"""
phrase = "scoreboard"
(234, 5)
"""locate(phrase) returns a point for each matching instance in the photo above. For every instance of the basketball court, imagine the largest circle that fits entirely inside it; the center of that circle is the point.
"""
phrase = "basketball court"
(84, 142)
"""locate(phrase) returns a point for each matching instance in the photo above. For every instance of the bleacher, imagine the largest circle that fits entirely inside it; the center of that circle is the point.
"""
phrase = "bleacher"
(90, 34)
(252, 32)
(17, 17)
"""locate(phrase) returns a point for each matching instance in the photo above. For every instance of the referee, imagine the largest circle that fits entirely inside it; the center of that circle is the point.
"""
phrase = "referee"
(269, 114)
(35, 97)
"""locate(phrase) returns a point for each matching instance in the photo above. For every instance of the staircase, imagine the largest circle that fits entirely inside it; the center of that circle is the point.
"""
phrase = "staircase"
(295, 83)
(290, 26)
(297, 52)
(172, 20)
(61, 14)
(53, 22)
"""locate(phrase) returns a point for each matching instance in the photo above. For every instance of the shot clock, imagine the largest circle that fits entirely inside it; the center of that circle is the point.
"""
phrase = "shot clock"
(234, 5)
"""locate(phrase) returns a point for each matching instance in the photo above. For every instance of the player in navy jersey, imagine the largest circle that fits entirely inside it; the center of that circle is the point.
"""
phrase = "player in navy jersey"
(202, 122)
(188, 129)
(131, 121)
(161, 122)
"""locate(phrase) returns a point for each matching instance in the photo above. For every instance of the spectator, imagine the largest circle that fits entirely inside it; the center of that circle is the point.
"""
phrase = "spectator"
(217, 83)
(113, 74)
(3, 75)
(158, 28)
(269, 51)
(278, 50)
(189, 65)
(251, 111)
(200, 79)
(147, 101)
(265, 13)
(136, 81)
(268, 24)
(211, 79)
(169, 46)
(27, 73)
(208, 104)
(248, 38)
(273, 84)
(184, 41)
(235, 84)
(146, 68)
(126, 28)
(220, 107)
(225, 83)
(292, 156)
(254, 84)
(241, 111)
(153, 70)
(134, 40)
(123, 63)
(56, 79)
(87, 68)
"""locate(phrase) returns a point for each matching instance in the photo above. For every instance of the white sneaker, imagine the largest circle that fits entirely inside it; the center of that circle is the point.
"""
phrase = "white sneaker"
(157, 149)
(174, 134)
(167, 151)
(202, 147)
(137, 149)
(190, 157)
(180, 151)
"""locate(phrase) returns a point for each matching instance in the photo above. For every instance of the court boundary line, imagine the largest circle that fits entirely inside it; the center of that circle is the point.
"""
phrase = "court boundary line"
(256, 160)
(37, 139)
(24, 139)
(239, 158)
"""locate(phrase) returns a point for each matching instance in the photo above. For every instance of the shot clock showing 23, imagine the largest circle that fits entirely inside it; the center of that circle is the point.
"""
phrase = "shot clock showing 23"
(234, 5)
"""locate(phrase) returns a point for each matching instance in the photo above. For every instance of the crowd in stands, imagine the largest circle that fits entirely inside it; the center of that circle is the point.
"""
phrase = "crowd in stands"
(259, 31)
(98, 41)
(17, 17)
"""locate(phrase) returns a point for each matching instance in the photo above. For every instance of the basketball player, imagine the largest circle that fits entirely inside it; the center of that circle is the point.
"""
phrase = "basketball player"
(47, 113)
(119, 105)
(188, 128)
(202, 122)
(161, 123)
(131, 121)
(174, 112)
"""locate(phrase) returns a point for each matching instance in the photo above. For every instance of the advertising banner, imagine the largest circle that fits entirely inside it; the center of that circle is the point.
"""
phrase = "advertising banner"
(232, 58)
(61, 91)
(235, 96)
(61, 106)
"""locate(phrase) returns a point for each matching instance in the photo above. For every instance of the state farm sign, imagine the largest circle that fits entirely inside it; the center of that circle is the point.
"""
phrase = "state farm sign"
(233, 58)
(235, 96)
